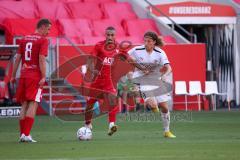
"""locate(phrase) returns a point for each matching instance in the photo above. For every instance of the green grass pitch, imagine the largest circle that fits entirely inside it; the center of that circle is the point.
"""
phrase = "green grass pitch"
(205, 136)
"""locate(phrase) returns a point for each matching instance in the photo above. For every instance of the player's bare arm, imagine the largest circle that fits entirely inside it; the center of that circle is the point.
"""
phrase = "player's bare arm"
(166, 69)
(15, 67)
(133, 62)
(42, 66)
(91, 69)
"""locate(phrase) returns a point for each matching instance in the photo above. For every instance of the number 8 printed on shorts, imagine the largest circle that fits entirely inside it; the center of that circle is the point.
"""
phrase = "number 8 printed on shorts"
(28, 51)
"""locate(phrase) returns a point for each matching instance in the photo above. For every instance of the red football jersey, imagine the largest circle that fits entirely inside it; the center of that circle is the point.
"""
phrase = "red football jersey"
(30, 48)
(106, 53)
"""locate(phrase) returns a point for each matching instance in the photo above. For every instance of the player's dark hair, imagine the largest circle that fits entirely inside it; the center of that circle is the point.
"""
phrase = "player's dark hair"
(155, 37)
(42, 22)
(110, 28)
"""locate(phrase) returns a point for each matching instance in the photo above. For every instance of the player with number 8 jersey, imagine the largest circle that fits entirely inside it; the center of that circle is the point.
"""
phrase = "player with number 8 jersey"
(30, 48)
(32, 52)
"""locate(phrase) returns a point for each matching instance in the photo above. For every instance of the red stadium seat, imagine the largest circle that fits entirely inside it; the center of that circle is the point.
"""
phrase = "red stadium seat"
(132, 39)
(99, 1)
(21, 27)
(52, 10)
(99, 27)
(237, 1)
(169, 39)
(63, 41)
(67, 0)
(75, 27)
(85, 10)
(138, 27)
(118, 11)
(16, 9)
(93, 40)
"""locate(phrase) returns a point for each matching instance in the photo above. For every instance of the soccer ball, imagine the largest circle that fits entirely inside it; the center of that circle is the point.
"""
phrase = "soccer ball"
(84, 134)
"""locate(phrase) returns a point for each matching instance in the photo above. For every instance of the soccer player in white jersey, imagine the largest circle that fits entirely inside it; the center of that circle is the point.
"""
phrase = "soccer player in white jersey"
(150, 53)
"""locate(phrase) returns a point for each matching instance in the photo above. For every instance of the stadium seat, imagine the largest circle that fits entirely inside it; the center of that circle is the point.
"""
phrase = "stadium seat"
(237, 1)
(68, 0)
(98, 1)
(90, 11)
(181, 90)
(75, 27)
(118, 11)
(211, 88)
(22, 27)
(54, 10)
(99, 27)
(134, 40)
(64, 41)
(92, 40)
(138, 27)
(17, 9)
(195, 89)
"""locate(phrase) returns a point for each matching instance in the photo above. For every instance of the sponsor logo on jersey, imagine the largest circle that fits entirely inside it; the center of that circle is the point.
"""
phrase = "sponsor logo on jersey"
(108, 61)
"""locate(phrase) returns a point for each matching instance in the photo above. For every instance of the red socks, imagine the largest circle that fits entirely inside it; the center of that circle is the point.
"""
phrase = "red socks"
(89, 111)
(21, 126)
(112, 114)
(26, 125)
(113, 110)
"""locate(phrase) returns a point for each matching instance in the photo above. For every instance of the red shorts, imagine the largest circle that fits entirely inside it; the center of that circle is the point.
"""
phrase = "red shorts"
(28, 90)
(102, 89)
(104, 85)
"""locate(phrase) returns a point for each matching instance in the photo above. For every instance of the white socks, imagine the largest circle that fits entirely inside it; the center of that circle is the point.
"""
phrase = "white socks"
(111, 124)
(166, 121)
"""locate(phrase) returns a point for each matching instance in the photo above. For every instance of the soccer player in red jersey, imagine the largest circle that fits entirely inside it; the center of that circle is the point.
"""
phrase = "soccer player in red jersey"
(105, 51)
(32, 52)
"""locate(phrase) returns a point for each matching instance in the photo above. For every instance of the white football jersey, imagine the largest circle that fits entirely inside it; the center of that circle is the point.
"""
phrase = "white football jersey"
(157, 58)
(150, 84)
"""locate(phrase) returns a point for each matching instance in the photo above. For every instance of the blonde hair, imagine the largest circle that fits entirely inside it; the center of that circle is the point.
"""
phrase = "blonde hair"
(155, 37)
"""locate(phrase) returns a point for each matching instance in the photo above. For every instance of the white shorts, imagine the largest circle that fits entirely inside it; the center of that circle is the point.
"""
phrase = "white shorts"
(163, 98)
